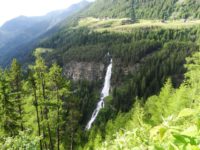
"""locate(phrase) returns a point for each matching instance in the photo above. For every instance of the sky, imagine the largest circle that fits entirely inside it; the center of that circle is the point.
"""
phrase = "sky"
(12, 8)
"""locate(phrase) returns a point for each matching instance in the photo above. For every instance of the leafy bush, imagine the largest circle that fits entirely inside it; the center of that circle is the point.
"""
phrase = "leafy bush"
(23, 141)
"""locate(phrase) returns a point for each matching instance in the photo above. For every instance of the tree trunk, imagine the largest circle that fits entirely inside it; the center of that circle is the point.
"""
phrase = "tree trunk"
(43, 129)
(71, 141)
(58, 126)
(20, 113)
(46, 116)
(58, 137)
(18, 98)
(38, 119)
(50, 137)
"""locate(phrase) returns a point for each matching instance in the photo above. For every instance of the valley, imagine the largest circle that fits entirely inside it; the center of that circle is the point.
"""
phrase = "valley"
(109, 75)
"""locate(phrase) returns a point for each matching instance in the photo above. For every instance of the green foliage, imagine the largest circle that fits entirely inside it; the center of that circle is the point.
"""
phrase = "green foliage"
(156, 105)
(150, 71)
(142, 62)
(169, 120)
(55, 114)
(16, 82)
(152, 9)
(11, 105)
(20, 142)
(36, 103)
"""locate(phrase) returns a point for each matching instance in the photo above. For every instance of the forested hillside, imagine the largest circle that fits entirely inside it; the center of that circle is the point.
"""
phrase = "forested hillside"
(160, 51)
(47, 100)
(142, 62)
(169, 120)
(41, 104)
(145, 9)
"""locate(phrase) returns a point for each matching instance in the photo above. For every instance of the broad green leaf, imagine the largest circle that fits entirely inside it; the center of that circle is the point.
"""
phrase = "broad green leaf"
(183, 139)
(162, 132)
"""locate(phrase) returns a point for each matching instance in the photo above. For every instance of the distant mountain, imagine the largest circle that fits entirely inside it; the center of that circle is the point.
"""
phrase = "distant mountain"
(19, 34)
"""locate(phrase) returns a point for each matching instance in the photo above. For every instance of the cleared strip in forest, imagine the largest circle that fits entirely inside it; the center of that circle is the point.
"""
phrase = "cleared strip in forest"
(123, 25)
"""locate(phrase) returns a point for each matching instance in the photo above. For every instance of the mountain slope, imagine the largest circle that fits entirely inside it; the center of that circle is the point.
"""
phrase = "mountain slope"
(36, 28)
(145, 55)
(17, 34)
(168, 120)
(145, 9)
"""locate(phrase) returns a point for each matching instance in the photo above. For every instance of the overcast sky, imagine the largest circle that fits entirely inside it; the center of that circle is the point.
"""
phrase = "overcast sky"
(12, 8)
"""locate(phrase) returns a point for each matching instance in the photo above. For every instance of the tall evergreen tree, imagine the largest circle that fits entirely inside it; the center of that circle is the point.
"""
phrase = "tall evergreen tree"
(15, 79)
(40, 75)
(73, 118)
(59, 89)
(33, 87)
(9, 117)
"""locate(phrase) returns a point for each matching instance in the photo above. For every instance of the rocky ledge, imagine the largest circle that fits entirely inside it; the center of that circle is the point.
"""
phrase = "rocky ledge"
(90, 71)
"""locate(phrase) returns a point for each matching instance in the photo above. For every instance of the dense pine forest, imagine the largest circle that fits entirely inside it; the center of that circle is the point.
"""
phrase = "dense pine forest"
(48, 94)
(145, 9)
(40, 111)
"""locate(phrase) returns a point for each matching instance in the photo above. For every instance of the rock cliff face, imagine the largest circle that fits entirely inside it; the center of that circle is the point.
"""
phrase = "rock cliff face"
(90, 71)
(95, 71)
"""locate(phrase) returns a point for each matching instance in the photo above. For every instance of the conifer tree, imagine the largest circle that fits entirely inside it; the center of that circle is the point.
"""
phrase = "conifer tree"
(59, 89)
(40, 73)
(15, 79)
(9, 117)
(72, 120)
(33, 87)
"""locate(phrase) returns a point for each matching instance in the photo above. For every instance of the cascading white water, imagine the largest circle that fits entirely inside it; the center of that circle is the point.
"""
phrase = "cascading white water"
(104, 93)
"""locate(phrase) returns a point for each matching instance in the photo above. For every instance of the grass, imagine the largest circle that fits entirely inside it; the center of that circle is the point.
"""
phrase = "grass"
(116, 25)
(41, 50)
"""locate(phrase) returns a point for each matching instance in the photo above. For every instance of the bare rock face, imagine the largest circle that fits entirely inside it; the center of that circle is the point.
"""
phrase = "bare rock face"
(90, 71)
(126, 69)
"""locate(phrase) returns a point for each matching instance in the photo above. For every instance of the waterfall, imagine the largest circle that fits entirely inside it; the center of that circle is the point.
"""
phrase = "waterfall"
(104, 93)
